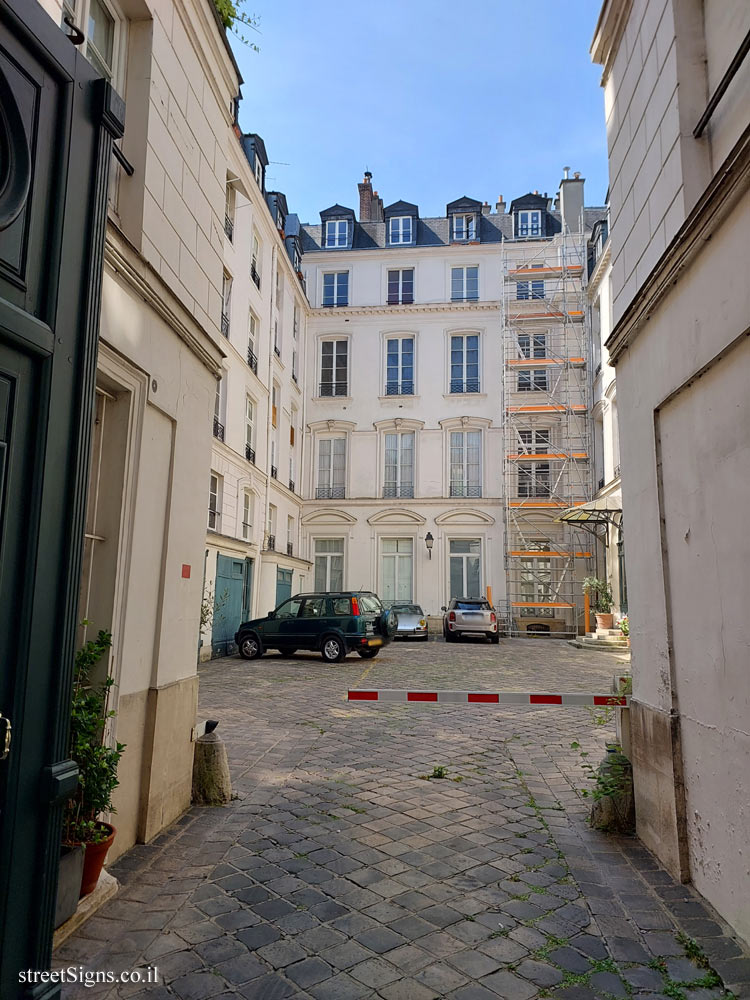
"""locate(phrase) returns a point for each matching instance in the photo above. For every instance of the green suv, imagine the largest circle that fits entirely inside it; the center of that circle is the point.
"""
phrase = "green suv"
(334, 624)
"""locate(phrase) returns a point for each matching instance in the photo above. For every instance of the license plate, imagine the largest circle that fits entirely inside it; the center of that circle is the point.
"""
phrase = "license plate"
(374, 642)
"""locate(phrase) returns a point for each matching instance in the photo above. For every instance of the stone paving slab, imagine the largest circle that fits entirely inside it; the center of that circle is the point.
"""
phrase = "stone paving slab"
(342, 870)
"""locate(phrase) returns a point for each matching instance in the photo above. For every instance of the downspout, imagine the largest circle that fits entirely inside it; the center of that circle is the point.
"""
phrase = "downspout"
(269, 427)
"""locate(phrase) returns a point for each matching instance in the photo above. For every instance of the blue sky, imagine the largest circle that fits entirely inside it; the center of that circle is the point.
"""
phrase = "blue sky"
(437, 99)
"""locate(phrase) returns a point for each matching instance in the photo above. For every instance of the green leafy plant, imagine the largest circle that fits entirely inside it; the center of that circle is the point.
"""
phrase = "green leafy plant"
(211, 608)
(600, 594)
(624, 625)
(231, 15)
(97, 762)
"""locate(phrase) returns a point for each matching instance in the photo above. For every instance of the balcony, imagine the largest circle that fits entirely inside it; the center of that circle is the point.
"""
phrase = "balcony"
(218, 429)
(271, 543)
(289, 549)
(291, 486)
(250, 454)
(402, 492)
(274, 472)
(405, 388)
(330, 493)
(462, 490)
(334, 389)
(469, 385)
(225, 324)
(255, 275)
(229, 227)
(252, 360)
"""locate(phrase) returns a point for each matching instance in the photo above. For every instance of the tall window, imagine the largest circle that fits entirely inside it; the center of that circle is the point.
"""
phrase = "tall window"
(214, 501)
(271, 527)
(274, 404)
(329, 564)
(536, 583)
(530, 289)
(247, 514)
(398, 480)
(401, 286)
(532, 345)
(533, 380)
(465, 567)
(466, 464)
(400, 229)
(464, 363)
(295, 323)
(292, 449)
(336, 288)
(334, 359)
(399, 366)
(331, 469)
(289, 535)
(464, 227)
(535, 441)
(229, 206)
(529, 223)
(279, 288)
(226, 302)
(252, 340)
(396, 559)
(276, 339)
(219, 409)
(255, 261)
(103, 28)
(337, 233)
(249, 429)
(464, 284)
(534, 479)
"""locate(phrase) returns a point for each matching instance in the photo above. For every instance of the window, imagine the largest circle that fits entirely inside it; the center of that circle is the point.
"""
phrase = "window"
(295, 374)
(464, 227)
(279, 288)
(331, 469)
(255, 262)
(464, 284)
(396, 568)
(103, 28)
(219, 410)
(252, 339)
(258, 171)
(464, 362)
(529, 223)
(398, 480)
(465, 567)
(399, 366)
(289, 535)
(274, 404)
(315, 607)
(400, 229)
(329, 564)
(229, 205)
(295, 323)
(530, 289)
(401, 286)
(276, 339)
(534, 380)
(226, 302)
(334, 360)
(247, 514)
(214, 501)
(341, 606)
(336, 288)
(466, 464)
(534, 441)
(337, 233)
(532, 345)
(290, 609)
(536, 581)
(249, 429)
(271, 527)
(534, 479)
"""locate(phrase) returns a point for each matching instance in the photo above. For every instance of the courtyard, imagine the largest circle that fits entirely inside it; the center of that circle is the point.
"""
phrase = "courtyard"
(344, 869)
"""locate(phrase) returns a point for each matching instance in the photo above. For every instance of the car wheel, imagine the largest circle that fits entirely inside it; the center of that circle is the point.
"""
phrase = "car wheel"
(250, 647)
(425, 638)
(494, 638)
(332, 649)
(368, 654)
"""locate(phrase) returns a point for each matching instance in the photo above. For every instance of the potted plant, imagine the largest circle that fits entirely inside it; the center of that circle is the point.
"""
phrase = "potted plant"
(601, 601)
(97, 763)
(624, 627)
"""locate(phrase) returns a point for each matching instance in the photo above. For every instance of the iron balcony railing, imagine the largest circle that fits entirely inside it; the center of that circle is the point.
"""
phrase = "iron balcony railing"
(272, 543)
(402, 492)
(616, 472)
(229, 227)
(461, 385)
(274, 472)
(218, 429)
(291, 486)
(601, 484)
(289, 549)
(277, 350)
(404, 299)
(334, 388)
(294, 377)
(405, 388)
(213, 518)
(330, 493)
(250, 454)
(255, 275)
(252, 359)
(462, 490)
(225, 324)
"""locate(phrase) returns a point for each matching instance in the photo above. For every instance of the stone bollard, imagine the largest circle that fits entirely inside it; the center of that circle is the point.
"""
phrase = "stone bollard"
(212, 785)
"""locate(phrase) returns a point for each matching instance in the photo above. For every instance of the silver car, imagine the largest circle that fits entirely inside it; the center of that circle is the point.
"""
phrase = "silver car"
(470, 615)
(412, 623)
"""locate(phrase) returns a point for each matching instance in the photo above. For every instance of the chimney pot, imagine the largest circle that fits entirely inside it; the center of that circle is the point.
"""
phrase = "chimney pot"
(577, 174)
(566, 173)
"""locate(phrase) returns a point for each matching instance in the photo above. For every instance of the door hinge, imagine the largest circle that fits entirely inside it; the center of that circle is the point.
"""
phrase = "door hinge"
(5, 736)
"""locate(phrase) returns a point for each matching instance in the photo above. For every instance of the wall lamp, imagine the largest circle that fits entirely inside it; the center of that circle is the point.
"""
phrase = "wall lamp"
(429, 542)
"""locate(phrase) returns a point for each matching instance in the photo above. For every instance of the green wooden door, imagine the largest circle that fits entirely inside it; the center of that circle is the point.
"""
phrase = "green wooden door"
(56, 125)
(283, 585)
(228, 601)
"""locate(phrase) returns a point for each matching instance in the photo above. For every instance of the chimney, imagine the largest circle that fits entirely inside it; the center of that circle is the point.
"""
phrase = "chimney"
(500, 206)
(365, 198)
(571, 201)
(376, 210)
(486, 208)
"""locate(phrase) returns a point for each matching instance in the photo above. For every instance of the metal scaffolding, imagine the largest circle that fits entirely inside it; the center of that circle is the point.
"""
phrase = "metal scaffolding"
(547, 447)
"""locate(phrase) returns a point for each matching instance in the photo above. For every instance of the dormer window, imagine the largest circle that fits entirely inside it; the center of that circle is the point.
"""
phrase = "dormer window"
(400, 229)
(464, 227)
(529, 223)
(337, 233)
(258, 171)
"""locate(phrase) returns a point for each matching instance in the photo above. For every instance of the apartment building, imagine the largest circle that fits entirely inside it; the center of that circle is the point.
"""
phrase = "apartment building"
(252, 557)
(676, 81)
(408, 416)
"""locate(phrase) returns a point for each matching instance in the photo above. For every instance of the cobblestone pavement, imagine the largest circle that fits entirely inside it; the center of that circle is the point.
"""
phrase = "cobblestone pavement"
(341, 871)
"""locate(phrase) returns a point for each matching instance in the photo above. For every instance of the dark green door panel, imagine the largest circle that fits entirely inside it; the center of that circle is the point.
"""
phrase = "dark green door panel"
(228, 599)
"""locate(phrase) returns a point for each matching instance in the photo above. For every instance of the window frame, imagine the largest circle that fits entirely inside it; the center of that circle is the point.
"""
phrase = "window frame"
(331, 490)
(397, 557)
(404, 222)
(533, 380)
(337, 224)
(214, 512)
(328, 556)
(399, 488)
(462, 385)
(533, 226)
(400, 298)
(335, 384)
(536, 477)
(337, 281)
(79, 12)
(465, 278)
(465, 488)
(537, 343)
(401, 386)
(463, 556)
(248, 515)
(468, 229)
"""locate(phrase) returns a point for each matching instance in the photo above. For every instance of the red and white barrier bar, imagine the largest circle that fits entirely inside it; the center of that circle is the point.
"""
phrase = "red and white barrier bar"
(571, 698)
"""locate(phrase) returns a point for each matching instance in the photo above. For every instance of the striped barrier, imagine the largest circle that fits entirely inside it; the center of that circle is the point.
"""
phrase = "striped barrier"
(571, 698)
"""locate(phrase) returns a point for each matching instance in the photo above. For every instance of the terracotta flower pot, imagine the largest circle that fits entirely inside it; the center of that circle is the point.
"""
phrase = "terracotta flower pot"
(605, 621)
(93, 861)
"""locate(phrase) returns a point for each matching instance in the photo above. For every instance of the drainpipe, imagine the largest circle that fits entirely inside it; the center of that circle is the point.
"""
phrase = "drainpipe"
(269, 427)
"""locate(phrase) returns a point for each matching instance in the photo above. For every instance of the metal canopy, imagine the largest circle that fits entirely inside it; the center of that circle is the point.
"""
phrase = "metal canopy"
(602, 510)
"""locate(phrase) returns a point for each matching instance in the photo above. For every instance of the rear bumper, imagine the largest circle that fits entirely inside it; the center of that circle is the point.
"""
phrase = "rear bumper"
(485, 628)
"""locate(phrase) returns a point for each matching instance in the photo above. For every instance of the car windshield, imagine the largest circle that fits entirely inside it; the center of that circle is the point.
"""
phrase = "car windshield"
(407, 609)
(370, 604)
(472, 606)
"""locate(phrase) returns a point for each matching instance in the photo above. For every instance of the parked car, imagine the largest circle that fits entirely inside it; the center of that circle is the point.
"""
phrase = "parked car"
(332, 623)
(469, 615)
(412, 622)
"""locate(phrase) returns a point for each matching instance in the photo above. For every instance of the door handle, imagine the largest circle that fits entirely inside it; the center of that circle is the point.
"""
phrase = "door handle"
(5, 736)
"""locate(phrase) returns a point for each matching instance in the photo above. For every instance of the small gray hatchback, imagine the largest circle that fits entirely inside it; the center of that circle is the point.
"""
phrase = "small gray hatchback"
(470, 616)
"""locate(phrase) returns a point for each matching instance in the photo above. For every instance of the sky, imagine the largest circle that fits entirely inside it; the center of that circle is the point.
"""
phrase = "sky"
(438, 100)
